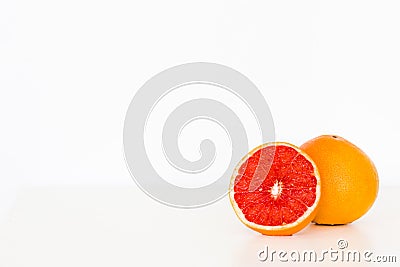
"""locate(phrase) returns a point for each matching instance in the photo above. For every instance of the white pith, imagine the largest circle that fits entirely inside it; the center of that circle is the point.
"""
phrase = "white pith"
(274, 190)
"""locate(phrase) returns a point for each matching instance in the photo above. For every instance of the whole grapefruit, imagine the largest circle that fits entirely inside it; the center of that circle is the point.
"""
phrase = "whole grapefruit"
(349, 179)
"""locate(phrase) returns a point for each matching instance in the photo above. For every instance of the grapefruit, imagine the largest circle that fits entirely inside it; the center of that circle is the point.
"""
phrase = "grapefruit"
(349, 180)
(275, 189)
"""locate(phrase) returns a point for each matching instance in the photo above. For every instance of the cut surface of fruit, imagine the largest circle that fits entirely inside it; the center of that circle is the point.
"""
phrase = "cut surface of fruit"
(275, 189)
(349, 179)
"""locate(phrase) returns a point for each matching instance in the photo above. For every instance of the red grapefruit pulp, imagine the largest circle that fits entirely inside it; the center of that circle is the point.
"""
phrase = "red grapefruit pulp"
(275, 189)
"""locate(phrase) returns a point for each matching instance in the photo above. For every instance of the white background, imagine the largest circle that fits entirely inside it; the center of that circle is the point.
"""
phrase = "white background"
(69, 69)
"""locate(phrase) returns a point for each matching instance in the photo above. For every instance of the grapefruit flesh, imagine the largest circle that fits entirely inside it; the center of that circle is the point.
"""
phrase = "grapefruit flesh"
(275, 189)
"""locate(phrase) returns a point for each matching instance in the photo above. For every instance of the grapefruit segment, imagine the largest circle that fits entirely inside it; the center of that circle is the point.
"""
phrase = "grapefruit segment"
(275, 189)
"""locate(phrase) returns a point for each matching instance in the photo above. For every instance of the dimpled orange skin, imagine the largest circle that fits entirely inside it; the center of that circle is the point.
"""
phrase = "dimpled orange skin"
(349, 179)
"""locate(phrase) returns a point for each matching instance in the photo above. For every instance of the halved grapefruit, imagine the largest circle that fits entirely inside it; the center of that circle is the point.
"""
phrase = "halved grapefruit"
(275, 189)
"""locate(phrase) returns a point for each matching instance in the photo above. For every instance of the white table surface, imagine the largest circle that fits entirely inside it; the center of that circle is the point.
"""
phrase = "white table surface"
(121, 226)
